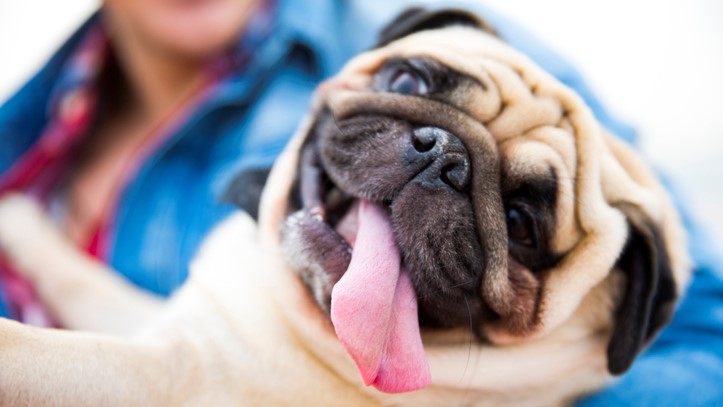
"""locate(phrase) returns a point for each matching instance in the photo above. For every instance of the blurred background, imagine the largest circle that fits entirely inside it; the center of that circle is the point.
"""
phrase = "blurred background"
(657, 65)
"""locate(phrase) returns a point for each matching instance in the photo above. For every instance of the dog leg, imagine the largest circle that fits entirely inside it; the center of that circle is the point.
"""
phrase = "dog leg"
(43, 367)
(80, 292)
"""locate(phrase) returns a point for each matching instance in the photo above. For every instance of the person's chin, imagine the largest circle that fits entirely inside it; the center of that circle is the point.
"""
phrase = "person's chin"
(204, 30)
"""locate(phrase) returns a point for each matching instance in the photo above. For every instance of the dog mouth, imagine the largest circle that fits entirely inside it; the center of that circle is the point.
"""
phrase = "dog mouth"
(372, 303)
(366, 161)
(354, 237)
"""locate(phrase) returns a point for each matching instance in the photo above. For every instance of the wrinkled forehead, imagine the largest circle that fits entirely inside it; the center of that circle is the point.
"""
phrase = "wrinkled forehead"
(517, 101)
(462, 48)
(516, 95)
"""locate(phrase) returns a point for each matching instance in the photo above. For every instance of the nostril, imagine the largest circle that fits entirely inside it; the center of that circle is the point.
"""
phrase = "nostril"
(439, 157)
(423, 146)
(456, 175)
(423, 141)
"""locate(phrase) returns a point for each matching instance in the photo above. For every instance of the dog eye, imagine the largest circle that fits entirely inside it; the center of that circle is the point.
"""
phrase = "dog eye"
(520, 227)
(407, 82)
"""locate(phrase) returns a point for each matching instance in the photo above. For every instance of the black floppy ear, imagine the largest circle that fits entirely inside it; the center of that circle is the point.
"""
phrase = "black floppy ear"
(418, 19)
(245, 190)
(650, 292)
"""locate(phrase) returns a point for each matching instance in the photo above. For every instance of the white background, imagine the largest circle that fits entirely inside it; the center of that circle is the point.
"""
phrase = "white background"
(656, 64)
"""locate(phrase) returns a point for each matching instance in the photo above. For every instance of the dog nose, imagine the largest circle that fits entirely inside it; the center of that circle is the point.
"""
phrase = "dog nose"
(443, 156)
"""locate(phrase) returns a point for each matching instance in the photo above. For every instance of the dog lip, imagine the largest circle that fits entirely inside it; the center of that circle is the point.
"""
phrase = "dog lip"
(321, 196)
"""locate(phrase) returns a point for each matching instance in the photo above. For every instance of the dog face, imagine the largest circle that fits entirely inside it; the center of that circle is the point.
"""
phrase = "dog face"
(446, 182)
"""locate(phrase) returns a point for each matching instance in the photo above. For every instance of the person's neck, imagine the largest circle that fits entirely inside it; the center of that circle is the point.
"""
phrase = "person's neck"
(159, 80)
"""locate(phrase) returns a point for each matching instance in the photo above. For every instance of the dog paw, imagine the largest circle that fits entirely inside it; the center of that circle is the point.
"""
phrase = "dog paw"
(19, 217)
(26, 232)
(317, 252)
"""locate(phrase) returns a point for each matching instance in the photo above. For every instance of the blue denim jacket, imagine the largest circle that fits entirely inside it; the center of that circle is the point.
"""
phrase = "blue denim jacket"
(173, 202)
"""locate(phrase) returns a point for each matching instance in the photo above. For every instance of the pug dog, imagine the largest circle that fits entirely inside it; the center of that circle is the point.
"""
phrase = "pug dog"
(451, 225)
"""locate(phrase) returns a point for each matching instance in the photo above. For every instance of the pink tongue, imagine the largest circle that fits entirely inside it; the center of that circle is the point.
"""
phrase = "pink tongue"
(374, 310)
